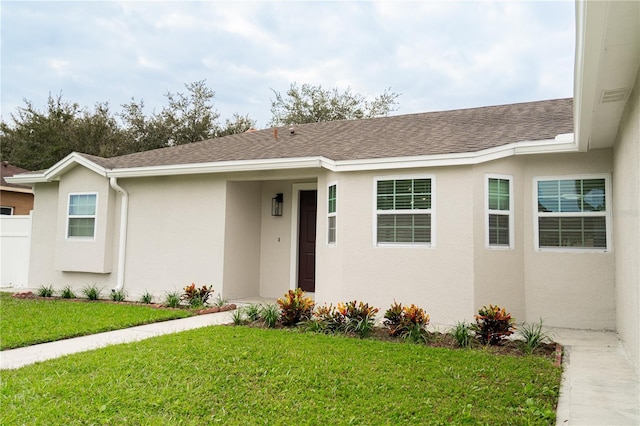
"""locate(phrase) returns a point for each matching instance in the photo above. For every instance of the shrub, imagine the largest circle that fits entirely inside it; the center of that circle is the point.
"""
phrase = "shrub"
(359, 317)
(251, 312)
(172, 299)
(118, 296)
(326, 319)
(220, 301)
(295, 307)
(270, 315)
(462, 333)
(408, 322)
(45, 291)
(146, 297)
(533, 336)
(67, 293)
(238, 317)
(194, 296)
(92, 291)
(493, 324)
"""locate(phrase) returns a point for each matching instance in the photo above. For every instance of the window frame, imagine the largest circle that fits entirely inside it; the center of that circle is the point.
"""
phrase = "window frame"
(431, 211)
(606, 214)
(11, 210)
(331, 214)
(509, 213)
(70, 216)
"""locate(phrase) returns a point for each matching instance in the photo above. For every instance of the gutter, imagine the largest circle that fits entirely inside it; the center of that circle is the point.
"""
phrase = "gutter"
(122, 243)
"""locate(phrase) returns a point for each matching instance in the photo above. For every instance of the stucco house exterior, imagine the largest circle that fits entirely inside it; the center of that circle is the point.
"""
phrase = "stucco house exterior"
(532, 206)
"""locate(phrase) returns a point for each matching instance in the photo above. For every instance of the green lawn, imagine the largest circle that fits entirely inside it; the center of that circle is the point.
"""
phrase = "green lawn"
(248, 376)
(26, 322)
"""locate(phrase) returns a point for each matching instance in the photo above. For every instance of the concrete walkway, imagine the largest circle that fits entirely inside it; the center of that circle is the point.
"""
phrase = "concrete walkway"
(599, 385)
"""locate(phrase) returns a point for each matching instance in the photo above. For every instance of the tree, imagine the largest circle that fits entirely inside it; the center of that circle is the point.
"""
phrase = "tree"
(239, 124)
(36, 140)
(312, 104)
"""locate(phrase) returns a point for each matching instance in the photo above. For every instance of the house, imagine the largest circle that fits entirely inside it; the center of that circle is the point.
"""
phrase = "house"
(15, 199)
(532, 206)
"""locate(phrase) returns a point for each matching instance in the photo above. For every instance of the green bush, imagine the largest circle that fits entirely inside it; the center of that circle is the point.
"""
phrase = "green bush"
(67, 293)
(493, 325)
(92, 291)
(251, 312)
(533, 336)
(118, 296)
(172, 299)
(45, 291)
(146, 297)
(295, 307)
(462, 332)
(270, 315)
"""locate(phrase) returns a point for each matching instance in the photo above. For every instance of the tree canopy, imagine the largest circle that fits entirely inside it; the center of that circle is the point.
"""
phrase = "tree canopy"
(312, 104)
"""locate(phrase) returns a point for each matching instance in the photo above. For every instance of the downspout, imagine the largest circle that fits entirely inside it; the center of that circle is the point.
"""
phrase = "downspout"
(122, 243)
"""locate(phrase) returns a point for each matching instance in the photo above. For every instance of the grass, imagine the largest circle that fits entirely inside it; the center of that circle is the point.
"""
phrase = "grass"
(241, 375)
(26, 322)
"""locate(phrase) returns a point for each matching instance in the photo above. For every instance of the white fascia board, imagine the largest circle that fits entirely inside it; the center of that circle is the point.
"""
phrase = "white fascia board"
(26, 179)
(54, 172)
(219, 167)
(14, 189)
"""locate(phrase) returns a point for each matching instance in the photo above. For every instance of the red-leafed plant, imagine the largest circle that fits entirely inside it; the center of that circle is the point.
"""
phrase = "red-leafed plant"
(409, 322)
(493, 325)
(195, 296)
(295, 307)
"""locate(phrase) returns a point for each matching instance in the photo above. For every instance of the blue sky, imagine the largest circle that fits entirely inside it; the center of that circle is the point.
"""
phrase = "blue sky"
(438, 55)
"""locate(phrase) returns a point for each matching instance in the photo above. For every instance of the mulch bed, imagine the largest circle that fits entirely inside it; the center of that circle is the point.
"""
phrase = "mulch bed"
(203, 311)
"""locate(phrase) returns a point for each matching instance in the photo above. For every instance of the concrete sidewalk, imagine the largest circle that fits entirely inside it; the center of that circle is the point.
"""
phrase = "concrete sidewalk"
(16, 358)
(599, 384)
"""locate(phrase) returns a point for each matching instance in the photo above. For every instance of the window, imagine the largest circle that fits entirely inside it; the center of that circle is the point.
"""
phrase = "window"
(404, 211)
(572, 213)
(331, 218)
(499, 226)
(81, 221)
(4, 210)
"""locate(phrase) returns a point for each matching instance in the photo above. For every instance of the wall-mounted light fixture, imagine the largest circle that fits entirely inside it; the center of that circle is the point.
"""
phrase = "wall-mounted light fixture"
(276, 205)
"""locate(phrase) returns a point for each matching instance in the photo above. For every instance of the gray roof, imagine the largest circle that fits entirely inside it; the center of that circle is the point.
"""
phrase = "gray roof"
(430, 133)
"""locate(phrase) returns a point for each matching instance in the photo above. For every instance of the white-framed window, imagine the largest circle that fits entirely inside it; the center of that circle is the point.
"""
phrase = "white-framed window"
(6, 210)
(404, 210)
(499, 211)
(81, 215)
(572, 212)
(332, 209)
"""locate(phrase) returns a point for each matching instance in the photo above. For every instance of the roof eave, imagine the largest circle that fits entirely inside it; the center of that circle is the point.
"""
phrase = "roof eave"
(54, 172)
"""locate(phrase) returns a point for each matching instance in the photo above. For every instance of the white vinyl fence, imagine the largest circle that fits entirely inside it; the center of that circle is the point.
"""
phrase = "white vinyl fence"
(15, 242)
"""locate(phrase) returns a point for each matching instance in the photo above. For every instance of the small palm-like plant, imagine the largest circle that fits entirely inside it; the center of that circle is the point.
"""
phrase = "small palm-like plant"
(270, 314)
(45, 291)
(118, 296)
(252, 312)
(146, 297)
(67, 293)
(172, 299)
(533, 335)
(92, 291)
(462, 332)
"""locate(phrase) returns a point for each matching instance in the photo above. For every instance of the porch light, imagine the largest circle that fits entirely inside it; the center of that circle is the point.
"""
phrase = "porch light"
(276, 205)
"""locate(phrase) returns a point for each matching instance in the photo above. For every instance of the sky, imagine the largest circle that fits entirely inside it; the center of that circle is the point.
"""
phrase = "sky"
(438, 55)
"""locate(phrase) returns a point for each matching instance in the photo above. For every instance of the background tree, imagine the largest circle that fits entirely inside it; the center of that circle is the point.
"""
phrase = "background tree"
(239, 124)
(312, 104)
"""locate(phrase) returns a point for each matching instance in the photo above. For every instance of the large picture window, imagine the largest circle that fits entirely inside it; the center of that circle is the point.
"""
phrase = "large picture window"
(572, 213)
(404, 211)
(81, 218)
(331, 216)
(499, 226)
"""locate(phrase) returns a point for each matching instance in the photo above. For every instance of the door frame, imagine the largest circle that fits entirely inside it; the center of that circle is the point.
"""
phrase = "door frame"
(295, 227)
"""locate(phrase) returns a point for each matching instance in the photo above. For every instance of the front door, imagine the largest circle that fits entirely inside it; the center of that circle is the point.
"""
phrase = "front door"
(307, 241)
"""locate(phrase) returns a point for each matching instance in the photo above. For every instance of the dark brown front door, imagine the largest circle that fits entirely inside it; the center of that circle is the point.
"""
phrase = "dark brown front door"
(307, 241)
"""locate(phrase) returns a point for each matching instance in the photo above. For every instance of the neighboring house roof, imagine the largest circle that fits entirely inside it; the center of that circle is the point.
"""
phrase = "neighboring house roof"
(431, 133)
(7, 170)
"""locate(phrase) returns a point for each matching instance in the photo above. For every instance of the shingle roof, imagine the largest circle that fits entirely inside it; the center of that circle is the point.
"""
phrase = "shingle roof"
(7, 170)
(444, 132)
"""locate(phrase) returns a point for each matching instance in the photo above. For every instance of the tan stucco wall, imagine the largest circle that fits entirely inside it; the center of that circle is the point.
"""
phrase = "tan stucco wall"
(564, 288)
(626, 218)
(242, 240)
(85, 255)
(21, 202)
